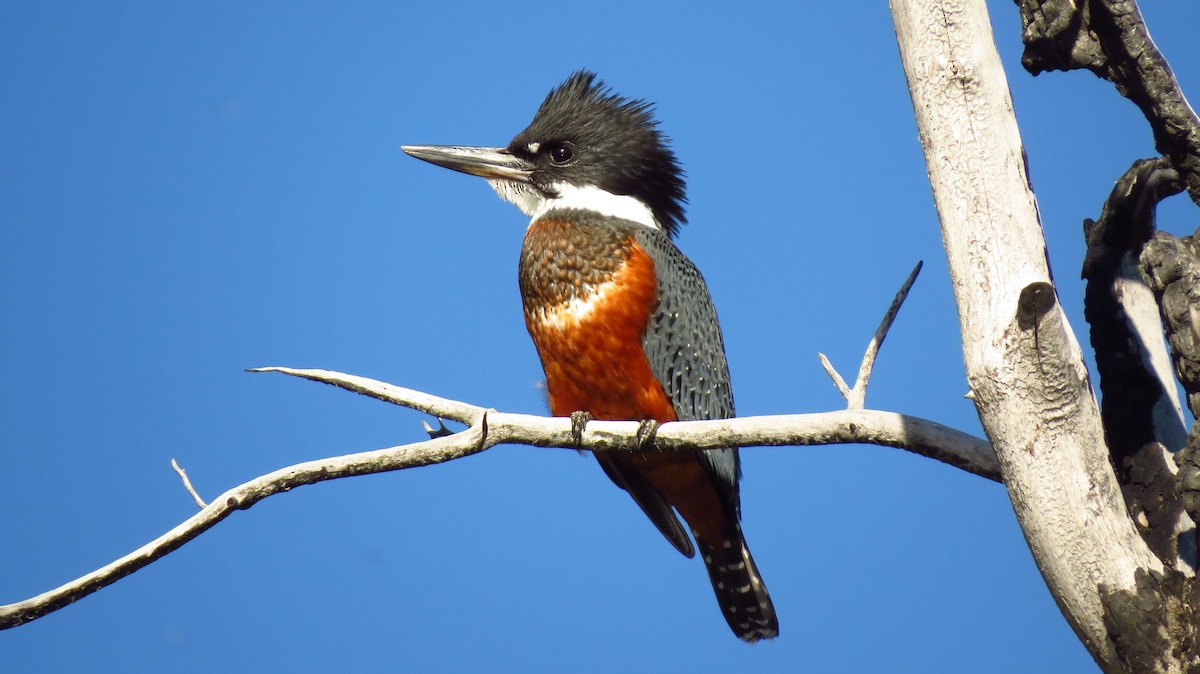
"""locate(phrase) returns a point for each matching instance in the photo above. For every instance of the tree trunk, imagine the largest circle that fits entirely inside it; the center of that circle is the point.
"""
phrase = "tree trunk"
(1024, 365)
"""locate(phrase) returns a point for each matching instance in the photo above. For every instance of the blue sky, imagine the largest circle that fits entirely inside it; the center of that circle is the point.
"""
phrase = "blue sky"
(190, 190)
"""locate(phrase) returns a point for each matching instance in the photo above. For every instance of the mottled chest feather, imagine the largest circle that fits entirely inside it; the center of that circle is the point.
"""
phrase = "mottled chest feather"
(564, 261)
(576, 274)
(589, 293)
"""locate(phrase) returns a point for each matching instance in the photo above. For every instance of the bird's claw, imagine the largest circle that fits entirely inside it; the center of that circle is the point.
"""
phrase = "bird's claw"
(646, 431)
(579, 421)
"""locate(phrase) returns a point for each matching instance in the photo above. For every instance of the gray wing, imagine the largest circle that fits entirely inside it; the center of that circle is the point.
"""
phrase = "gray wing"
(686, 352)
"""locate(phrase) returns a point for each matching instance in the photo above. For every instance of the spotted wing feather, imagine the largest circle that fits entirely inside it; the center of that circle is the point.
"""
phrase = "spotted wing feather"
(686, 351)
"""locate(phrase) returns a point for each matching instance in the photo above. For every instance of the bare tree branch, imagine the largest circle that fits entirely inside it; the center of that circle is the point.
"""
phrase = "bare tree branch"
(1109, 37)
(856, 397)
(1171, 267)
(890, 429)
(489, 428)
(187, 484)
(1143, 420)
(241, 497)
(443, 408)
(838, 382)
(1139, 401)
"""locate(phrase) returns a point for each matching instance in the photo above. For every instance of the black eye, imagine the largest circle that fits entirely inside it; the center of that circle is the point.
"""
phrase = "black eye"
(561, 153)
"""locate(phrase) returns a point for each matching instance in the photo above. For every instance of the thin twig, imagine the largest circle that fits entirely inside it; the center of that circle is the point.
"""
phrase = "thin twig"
(187, 484)
(833, 374)
(239, 498)
(859, 392)
(856, 397)
(405, 397)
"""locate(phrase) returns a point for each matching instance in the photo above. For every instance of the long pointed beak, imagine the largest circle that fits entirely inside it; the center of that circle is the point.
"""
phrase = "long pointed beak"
(486, 162)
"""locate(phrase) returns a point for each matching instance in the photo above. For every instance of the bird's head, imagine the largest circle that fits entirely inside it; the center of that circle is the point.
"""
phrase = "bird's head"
(586, 148)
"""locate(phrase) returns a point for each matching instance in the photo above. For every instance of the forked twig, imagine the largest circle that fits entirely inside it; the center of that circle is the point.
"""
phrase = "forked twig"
(856, 397)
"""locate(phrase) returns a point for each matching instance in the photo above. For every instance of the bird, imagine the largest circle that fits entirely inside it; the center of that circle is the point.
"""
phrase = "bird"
(622, 320)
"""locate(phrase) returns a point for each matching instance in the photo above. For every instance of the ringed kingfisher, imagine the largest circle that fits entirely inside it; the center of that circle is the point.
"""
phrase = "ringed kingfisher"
(621, 319)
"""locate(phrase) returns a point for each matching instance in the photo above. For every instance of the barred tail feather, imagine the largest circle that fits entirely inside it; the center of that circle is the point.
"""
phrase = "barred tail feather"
(740, 590)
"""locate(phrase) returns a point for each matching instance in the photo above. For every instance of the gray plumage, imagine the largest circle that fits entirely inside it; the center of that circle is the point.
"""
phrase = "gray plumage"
(686, 351)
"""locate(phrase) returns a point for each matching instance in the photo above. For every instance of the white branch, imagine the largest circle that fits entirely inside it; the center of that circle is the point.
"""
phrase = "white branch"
(187, 484)
(837, 378)
(489, 428)
(917, 435)
(1023, 363)
(432, 405)
(241, 497)
(856, 397)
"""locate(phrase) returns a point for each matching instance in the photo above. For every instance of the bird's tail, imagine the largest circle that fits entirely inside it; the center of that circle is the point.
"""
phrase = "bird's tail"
(740, 590)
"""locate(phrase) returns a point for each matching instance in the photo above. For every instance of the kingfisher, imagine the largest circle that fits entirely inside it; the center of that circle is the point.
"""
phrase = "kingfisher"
(622, 321)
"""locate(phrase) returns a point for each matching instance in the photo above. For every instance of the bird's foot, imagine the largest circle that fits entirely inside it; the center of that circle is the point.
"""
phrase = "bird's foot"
(579, 421)
(646, 431)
